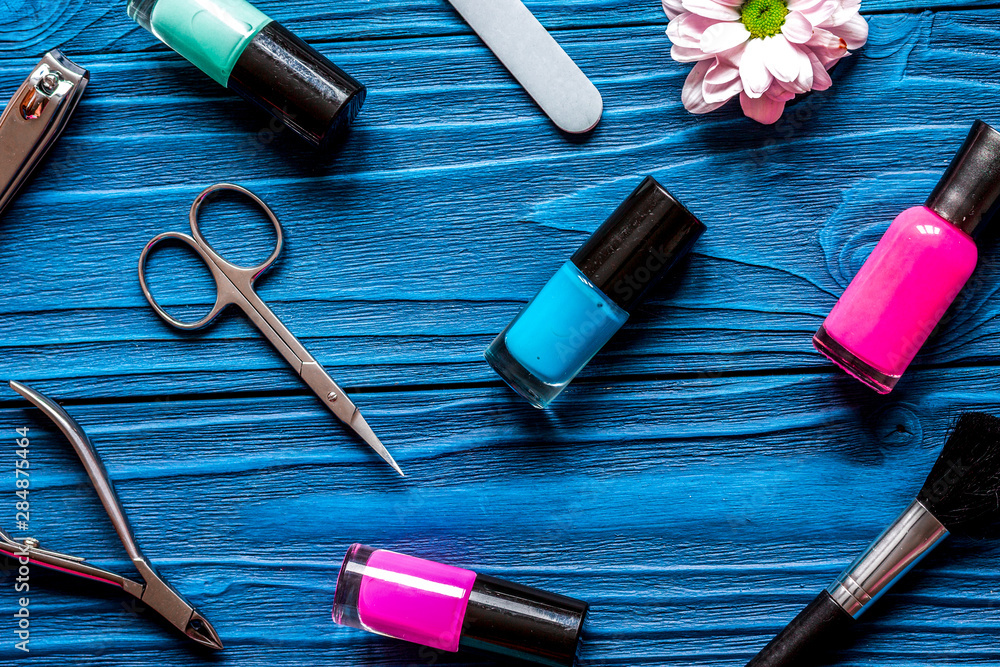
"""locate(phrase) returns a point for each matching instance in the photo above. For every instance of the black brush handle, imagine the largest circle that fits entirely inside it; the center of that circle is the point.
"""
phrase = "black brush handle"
(809, 637)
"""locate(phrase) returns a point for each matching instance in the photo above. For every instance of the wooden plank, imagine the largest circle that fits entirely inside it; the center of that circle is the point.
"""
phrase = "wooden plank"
(395, 245)
(702, 482)
(694, 533)
(85, 27)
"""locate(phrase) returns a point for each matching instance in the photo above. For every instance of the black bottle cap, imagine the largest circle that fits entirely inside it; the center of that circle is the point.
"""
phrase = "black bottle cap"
(522, 622)
(968, 193)
(293, 82)
(636, 247)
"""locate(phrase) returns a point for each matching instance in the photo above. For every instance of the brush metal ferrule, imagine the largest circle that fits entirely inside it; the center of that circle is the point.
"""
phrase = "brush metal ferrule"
(911, 537)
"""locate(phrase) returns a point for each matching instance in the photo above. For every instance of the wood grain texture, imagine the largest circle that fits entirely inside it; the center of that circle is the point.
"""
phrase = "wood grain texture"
(450, 214)
(93, 26)
(702, 480)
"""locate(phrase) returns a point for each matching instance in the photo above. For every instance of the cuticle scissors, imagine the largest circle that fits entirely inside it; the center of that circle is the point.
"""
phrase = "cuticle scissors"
(235, 286)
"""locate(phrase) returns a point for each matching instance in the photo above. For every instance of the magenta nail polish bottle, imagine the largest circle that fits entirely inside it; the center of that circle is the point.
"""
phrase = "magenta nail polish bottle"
(915, 272)
(447, 608)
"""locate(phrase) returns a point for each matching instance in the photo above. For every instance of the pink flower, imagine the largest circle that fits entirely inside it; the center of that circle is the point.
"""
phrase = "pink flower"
(767, 51)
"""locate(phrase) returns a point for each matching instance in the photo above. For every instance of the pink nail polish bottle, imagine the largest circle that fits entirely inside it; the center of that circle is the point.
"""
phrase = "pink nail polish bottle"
(916, 270)
(447, 608)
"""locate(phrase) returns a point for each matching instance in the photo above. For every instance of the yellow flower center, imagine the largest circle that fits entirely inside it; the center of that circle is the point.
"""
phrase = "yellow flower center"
(763, 18)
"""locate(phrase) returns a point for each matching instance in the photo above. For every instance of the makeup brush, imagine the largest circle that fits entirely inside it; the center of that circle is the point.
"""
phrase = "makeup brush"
(961, 494)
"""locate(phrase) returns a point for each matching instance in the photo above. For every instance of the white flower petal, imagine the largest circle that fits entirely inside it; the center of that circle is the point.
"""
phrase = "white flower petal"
(817, 11)
(691, 93)
(755, 76)
(722, 72)
(828, 63)
(821, 78)
(733, 56)
(824, 39)
(804, 81)
(791, 87)
(692, 96)
(712, 9)
(827, 46)
(722, 81)
(782, 59)
(687, 29)
(764, 109)
(854, 32)
(722, 94)
(780, 92)
(685, 55)
(672, 8)
(723, 36)
(845, 13)
(797, 28)
(801, 5)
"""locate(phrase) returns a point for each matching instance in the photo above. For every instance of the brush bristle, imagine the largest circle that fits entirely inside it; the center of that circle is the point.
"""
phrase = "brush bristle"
(963, 489)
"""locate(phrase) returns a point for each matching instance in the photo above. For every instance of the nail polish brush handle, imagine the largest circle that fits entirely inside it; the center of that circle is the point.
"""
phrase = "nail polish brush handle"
(809, 636)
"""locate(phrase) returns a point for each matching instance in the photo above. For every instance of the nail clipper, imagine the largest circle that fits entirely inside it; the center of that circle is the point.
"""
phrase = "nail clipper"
(35, 117)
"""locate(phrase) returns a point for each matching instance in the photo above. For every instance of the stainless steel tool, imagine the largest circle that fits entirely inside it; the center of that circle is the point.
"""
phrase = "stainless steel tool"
(153, 590)
(35, 117)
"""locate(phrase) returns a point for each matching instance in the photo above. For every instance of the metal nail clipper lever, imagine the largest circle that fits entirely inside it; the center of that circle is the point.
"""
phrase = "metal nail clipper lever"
(153, 590)
(35, 117)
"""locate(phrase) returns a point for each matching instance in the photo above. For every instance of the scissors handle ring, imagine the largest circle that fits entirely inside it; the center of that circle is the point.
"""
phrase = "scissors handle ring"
(209, 193)
(220, 303)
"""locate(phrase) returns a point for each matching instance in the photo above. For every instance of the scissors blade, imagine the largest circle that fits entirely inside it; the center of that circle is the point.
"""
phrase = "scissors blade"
(361, 427)
(343, 407)
(310, 370)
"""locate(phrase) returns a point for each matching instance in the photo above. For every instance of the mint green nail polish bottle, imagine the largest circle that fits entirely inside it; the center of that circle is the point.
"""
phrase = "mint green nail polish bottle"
(256, 57)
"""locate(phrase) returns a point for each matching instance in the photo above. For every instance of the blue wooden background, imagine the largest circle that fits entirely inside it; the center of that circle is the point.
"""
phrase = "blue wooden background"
(699, 483)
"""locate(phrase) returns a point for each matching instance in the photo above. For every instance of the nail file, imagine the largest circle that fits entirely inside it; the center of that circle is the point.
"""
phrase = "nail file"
(536, 60)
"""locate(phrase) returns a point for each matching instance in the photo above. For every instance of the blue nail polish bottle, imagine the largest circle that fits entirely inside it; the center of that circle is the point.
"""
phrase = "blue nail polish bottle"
(590, 296)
